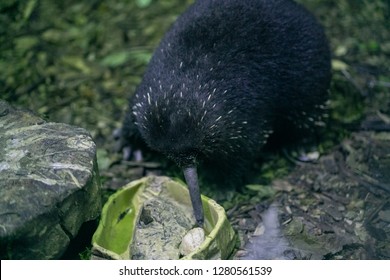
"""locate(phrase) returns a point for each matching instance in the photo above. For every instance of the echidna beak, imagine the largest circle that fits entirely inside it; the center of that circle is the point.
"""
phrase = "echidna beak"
(191, 177)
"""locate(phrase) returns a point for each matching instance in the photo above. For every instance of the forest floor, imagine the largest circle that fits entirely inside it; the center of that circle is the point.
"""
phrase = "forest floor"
(79, 62)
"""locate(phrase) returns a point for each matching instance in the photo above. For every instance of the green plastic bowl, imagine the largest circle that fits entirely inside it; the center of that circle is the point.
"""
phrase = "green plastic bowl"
(120, 214)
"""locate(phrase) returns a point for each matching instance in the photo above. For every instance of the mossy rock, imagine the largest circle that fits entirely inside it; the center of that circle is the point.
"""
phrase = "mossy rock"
(49, 184)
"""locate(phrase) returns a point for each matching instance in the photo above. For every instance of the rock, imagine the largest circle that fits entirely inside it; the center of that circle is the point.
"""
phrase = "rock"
(162, 224)
(192, 240)
(49, 184)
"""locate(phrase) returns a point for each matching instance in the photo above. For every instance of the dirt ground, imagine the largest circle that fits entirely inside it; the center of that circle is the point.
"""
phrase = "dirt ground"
(78, 63)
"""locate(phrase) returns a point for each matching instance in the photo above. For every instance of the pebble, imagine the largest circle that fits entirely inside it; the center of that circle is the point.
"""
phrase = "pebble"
(192, 240)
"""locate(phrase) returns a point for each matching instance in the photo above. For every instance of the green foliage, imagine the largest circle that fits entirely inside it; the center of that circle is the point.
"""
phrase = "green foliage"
(86, 254)
(78, 62)
(143, 3)
(122, 57)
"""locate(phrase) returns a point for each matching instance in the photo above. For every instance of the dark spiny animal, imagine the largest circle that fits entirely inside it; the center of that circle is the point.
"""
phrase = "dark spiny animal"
(225, 76)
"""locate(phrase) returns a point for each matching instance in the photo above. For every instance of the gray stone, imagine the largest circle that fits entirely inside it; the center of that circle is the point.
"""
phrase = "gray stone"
(162, 224)
(49, 184)
(191, 241)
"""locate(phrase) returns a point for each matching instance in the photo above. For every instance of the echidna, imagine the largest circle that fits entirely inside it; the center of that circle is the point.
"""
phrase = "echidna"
(227, 75)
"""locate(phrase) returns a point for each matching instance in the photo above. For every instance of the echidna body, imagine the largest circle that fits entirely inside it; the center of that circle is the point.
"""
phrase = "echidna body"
(225, 76)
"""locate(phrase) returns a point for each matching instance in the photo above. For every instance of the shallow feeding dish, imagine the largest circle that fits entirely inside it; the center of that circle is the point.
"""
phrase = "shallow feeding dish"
(123, 220)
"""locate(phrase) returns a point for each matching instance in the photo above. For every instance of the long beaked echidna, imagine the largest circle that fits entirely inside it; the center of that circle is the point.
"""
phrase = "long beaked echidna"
(225, 76)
